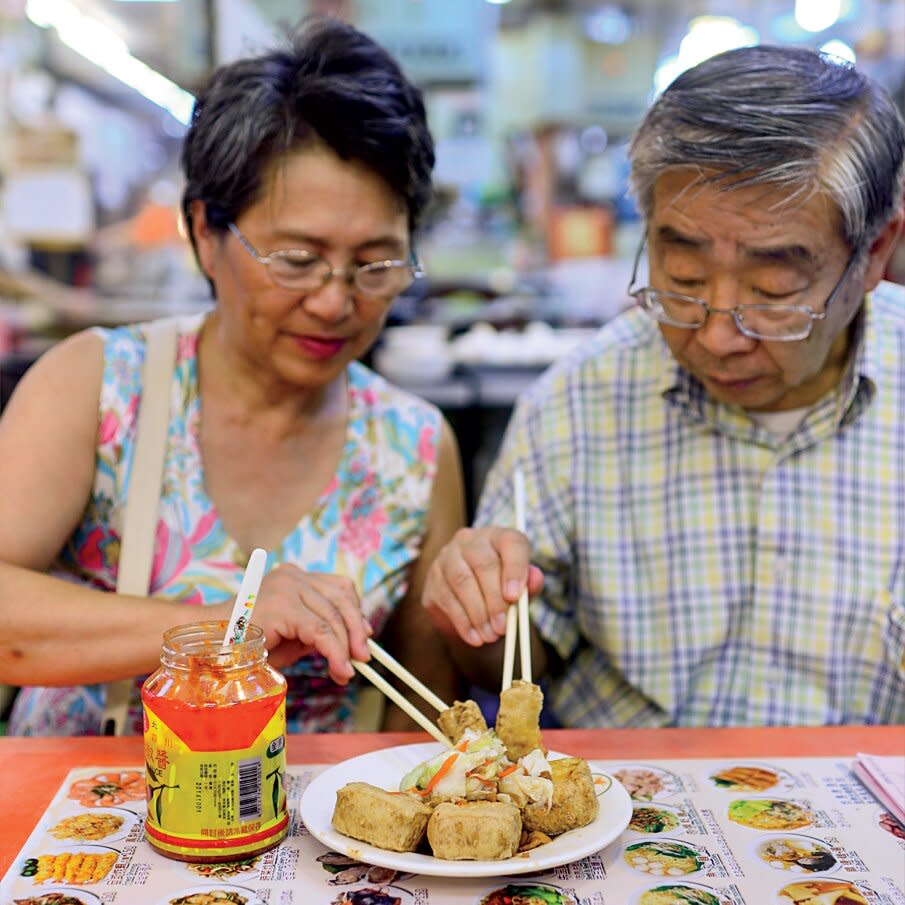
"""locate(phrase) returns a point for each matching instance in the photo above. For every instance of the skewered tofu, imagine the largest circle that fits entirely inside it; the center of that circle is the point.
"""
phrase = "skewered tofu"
(475, 830)
(387, 820)
(574, 799)
(461, 716)
(517, 721)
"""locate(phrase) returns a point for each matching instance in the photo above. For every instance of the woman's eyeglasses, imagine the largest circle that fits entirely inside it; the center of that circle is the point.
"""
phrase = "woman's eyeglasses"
(307, 272)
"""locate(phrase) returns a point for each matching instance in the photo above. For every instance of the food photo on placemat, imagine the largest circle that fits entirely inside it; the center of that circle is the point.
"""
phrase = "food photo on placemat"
(526, 893)
(78, 865)
(770, 813)
(97, 825)
(60, 896)
(742, 776)
(646, 782)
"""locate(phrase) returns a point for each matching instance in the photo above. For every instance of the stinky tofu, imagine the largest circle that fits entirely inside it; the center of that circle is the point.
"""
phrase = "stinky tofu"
(475, 830)
(388, 820)
(461, 716)
(518, 719)
(575, 801)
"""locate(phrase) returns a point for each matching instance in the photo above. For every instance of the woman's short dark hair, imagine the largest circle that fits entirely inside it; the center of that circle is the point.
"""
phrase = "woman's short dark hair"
(331, 84)
(783, 116)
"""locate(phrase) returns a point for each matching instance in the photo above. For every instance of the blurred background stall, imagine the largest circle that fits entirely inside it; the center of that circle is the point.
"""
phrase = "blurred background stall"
(529, 242)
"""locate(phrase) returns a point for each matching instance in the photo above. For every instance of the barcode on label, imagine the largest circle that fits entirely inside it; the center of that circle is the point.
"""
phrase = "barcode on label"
(250, 789)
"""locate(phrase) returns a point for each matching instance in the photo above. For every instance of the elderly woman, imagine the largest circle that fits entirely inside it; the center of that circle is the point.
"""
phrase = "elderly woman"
(307, 170)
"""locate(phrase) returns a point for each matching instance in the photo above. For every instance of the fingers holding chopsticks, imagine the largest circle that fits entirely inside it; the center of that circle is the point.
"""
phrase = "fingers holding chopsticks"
(474, 580)
(302, 612)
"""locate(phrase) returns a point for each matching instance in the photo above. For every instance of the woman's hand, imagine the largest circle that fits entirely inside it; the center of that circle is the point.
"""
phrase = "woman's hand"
(303, 612)
(475, 578)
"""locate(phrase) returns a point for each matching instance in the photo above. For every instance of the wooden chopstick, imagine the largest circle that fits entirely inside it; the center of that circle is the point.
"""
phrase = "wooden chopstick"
(509, 647)
(517, 621)
(401, 673)
(399, 699)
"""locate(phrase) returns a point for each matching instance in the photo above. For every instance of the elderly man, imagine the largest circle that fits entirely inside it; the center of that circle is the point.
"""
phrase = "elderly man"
(716, 482)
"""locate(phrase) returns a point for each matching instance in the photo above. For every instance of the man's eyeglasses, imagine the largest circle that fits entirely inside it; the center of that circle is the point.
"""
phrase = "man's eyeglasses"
(307, 272)
(776, 323)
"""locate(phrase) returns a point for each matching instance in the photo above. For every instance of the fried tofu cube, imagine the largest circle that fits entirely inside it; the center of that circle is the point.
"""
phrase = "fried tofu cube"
(385, 819)
(461, 716)
(518, 719)
(475, 830)
(575, 801)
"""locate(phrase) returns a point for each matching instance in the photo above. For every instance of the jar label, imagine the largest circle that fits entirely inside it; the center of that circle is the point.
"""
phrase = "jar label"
(207, 799)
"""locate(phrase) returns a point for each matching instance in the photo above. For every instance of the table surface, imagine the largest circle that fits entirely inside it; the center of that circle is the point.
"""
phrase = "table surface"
(32, 769)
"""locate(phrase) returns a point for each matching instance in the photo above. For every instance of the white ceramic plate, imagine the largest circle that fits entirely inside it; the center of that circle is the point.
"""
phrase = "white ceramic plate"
(387, 767)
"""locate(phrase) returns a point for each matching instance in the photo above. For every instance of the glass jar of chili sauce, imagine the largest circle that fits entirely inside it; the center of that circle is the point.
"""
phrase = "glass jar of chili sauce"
(215, 747)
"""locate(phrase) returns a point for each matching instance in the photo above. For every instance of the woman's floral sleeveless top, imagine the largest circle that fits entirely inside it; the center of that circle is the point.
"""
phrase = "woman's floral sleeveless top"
(367, 525)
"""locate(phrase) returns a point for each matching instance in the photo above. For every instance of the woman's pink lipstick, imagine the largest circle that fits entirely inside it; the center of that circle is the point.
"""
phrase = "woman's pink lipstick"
(320, 347)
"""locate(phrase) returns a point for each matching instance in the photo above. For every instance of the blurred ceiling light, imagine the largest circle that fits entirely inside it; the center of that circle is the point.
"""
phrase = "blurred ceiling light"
(707, 36)
(608, 25)
(498, 2)
(816, 15)
(840, 49)
(103, 47)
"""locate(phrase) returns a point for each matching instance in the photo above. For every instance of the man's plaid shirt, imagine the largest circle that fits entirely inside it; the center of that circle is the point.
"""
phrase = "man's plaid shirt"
(698, 571)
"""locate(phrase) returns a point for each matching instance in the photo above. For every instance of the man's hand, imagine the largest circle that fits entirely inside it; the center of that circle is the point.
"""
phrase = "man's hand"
(473, 580)
(302, 612)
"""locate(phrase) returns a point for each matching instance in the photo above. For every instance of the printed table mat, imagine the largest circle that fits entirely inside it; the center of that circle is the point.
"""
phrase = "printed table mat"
(784, 831)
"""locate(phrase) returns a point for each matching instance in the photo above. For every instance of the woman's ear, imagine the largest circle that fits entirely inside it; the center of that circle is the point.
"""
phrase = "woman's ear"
(881, 249)
(206, 239)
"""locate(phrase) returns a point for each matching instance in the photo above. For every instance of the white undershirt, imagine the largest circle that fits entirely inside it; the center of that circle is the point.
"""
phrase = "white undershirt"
(780, 424)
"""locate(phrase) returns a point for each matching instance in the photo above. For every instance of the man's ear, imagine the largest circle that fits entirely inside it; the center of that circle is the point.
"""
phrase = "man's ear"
(881, 249)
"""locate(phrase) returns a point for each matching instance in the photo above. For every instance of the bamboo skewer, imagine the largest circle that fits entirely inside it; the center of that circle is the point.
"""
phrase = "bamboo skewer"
(517, 621)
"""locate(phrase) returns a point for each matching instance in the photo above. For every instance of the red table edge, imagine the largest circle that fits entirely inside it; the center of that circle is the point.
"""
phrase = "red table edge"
(32, 769)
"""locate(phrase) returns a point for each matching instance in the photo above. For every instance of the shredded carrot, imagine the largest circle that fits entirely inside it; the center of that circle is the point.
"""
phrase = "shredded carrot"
(510, 769)
(444, 769)
(462, 745)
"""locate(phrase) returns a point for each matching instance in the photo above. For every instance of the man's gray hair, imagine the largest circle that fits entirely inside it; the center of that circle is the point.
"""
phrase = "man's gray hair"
(782, 116)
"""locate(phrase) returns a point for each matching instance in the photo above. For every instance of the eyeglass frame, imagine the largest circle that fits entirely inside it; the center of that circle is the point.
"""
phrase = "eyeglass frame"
(636, 294)
(347, 273)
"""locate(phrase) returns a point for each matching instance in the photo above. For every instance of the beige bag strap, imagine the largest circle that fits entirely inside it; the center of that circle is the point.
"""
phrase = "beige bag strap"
(142, 500)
